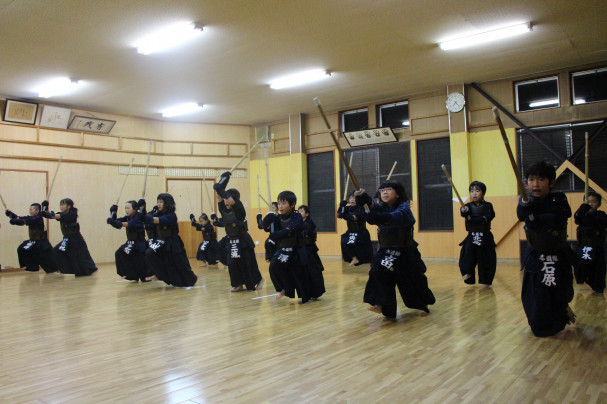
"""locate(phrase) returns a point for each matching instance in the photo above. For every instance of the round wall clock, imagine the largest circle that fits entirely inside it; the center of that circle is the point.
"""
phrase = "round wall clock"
(455, 102)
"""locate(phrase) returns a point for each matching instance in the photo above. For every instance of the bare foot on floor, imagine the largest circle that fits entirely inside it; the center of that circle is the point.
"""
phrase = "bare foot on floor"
(151, 278)
(237, 289)
(375, 309)
(466, 277)
(280, 295)
(204, 264)
(571, 315)
(354, 261)
(260, 284)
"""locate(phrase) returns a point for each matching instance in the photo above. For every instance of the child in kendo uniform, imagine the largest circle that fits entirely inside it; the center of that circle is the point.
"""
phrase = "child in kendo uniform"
(356, 247)
(165, 256)
(547, 262)
(207, 250)
(269, 245)
(310, 249)
(223, 245)
(242, 263)
(288, 270)
(36, 251)
(478, 248)
(71, 254)
(130, 257)
(592, 224)
(398, 262)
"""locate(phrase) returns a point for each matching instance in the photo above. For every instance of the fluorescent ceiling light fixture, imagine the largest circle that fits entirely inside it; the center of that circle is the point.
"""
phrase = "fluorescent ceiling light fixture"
(299, 78)
(56, 87)
(543, 103)
(168, 37)
(487, 36)
(181, 109)
(580, 101)
(405, 123)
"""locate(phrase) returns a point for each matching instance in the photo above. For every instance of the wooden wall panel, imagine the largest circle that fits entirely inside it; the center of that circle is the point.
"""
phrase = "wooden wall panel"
(17, 132)
(215, 149)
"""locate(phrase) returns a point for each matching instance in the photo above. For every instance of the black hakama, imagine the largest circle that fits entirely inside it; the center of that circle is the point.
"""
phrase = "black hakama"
(165, 256)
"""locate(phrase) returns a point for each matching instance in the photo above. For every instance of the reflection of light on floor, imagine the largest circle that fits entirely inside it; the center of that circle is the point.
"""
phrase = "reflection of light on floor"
(261, 297)
(183, 386)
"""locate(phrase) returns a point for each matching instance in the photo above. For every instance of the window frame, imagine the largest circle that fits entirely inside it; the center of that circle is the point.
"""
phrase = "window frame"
(380, 122)
(583, 73)
(343, 114)
(532, 81)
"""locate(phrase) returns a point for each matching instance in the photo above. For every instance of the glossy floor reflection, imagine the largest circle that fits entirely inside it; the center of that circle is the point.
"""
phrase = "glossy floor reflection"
(101, 339)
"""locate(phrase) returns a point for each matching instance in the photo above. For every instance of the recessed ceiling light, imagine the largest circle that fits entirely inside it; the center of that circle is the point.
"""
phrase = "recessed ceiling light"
(299, 79)
(56, 87)
(486, 36)
(181, 109)
(168, 37)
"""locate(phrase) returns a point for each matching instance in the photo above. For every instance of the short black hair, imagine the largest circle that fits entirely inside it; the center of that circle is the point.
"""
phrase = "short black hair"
(288, 196)
(134, 205)
(305, 208)
(478, 185)
(275, 204)
(168, 201)
(399, 188)
(596, 195)
(37, 206)
(542, 169)
(204, 216)
(234, 193)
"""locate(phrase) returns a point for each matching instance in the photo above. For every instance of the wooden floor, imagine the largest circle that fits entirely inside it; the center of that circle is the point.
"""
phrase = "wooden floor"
(101, 339)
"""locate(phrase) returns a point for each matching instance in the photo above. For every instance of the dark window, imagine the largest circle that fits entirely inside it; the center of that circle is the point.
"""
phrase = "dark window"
(567, 140)
(537, 94)
(589, 86)
(355, 120)
(371, 166)
(395, 115)
(434, 190)
(321, 190)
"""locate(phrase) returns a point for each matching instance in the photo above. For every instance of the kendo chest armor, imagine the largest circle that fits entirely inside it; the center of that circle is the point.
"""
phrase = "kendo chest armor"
(36, 232)
(548, 241)
(308, 239)
(476, 212)
(590, 236)
(208, 235)
(233, 226)
(69, 228)
(356, 226)
(394, 237)
(291, 241)
(133, 234)
(167, 231)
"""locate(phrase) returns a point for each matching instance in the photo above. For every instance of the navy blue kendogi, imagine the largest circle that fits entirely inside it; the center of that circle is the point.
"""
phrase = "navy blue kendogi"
(130, 257)
(71, 254)
(592, 225)
(242, 263)
(36, 251)
(208, 249)
(478, 248)
(165, 256)
(398, 262)
(547, 262)
(356, 241)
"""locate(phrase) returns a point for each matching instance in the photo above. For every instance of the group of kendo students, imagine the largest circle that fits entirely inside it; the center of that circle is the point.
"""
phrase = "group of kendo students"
(295, 266)
(548, 262)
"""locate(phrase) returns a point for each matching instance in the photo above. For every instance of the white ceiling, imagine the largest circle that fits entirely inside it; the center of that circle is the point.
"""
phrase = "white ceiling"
(377, 50)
